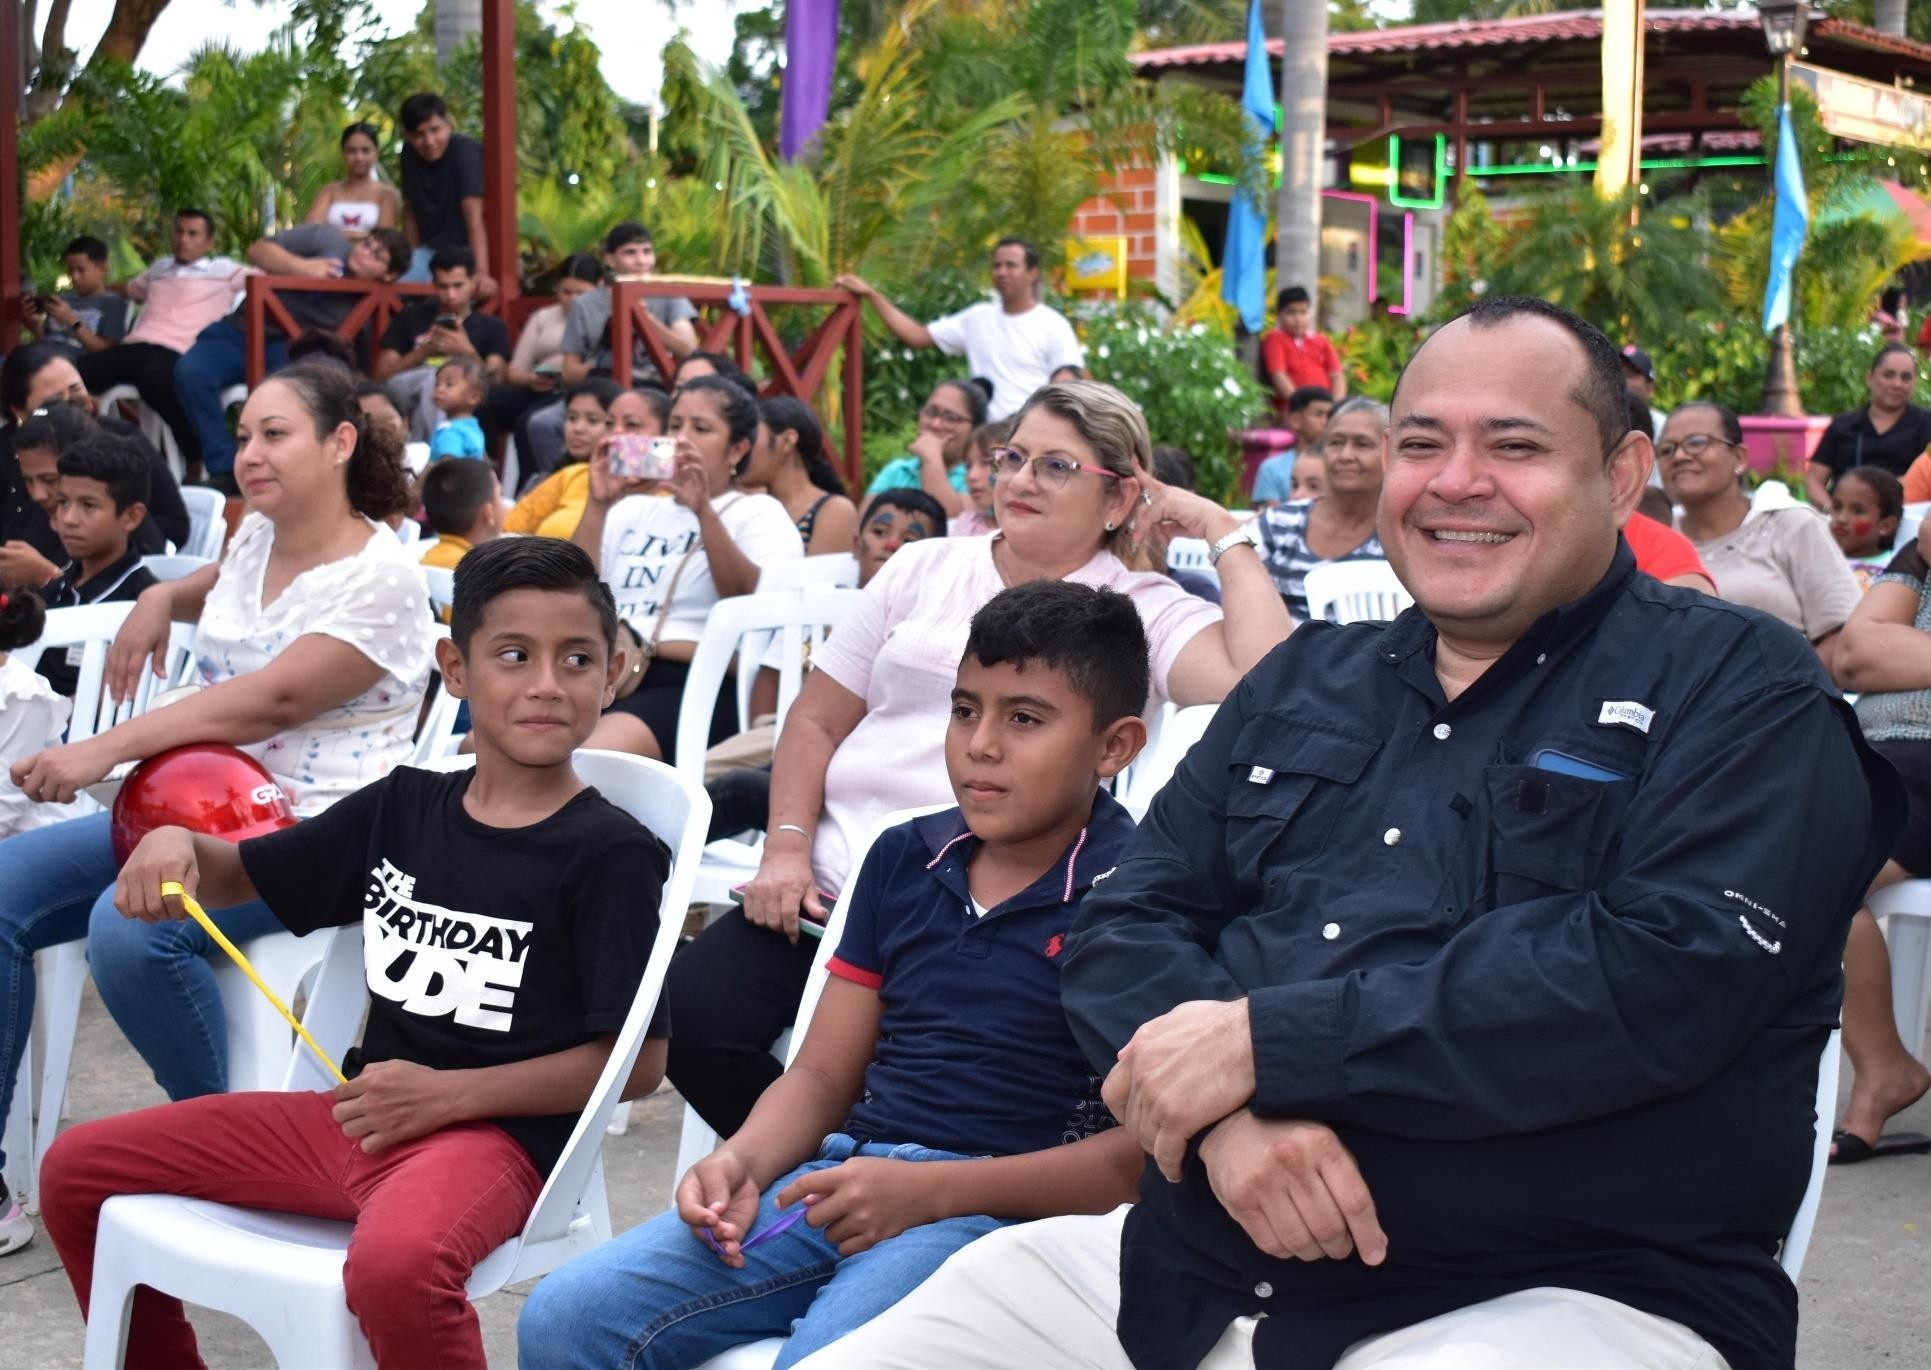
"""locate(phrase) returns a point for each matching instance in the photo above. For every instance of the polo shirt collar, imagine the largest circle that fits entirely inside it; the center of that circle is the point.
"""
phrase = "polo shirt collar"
(1093, 854)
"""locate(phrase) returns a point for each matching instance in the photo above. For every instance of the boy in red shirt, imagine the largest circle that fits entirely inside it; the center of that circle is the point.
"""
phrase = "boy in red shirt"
(1294, 355)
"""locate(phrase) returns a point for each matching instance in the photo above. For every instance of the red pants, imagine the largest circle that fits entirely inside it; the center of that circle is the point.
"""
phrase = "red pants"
(425, 1212)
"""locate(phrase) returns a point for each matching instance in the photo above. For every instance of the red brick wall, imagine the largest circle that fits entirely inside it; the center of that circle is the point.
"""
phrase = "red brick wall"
(1123, 208)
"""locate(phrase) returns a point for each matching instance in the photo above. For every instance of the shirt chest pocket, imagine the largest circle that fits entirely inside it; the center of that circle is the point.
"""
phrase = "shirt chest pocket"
(1548, 832)
(1279, 811)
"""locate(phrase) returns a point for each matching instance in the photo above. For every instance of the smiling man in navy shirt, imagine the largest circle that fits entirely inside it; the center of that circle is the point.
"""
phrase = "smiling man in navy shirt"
(1468, 983)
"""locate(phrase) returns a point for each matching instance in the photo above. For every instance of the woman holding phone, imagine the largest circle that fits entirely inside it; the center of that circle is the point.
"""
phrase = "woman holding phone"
(668, 560)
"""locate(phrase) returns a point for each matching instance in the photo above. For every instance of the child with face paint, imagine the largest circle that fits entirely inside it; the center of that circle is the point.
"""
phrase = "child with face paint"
(1866, 505)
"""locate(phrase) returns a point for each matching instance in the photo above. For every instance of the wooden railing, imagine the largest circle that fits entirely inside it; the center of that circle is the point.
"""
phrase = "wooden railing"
(379, 303)
(802, 369)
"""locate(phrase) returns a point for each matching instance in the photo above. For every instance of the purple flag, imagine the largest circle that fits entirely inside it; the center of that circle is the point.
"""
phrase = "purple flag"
(811, 53)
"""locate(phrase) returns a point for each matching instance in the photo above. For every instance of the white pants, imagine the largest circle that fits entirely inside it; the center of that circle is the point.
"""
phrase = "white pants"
(1046, 1296)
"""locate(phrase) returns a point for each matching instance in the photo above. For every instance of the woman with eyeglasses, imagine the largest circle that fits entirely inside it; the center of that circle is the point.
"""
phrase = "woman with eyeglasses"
(936, 463)
(1338, 525)
(1768, 552)
(867, 733)
(1889, 431)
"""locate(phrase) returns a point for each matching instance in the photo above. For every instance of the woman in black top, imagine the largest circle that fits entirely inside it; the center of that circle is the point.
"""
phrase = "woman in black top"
(1889, 431)
(788, 462)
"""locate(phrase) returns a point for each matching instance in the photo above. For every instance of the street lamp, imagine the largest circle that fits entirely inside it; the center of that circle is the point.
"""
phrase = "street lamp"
(1783, 24)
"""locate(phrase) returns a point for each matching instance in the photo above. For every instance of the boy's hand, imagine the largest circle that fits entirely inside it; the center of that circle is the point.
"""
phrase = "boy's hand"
(864, 1201)
(163, 855)
(395, 1101)
(61, 312)
(1293, 1188)
(20, 564)
(718, 1195)
(57, 774)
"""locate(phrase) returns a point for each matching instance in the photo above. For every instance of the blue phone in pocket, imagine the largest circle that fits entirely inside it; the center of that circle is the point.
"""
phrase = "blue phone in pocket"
(1548, 759)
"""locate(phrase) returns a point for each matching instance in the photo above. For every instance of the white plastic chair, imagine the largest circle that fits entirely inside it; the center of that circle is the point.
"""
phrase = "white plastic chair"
(1190, 554)
(436, 736)
(149, 422)
(61, 971)
(282, 1274)
(789, 620)
(1155, 766)
(1909, 522)
(1907, 905)
(698, 1141)
(1355, 592)
(441, 581)
(175, 567)
(830, 570)
(1797, 1241)
(207, 522)
(409, 532)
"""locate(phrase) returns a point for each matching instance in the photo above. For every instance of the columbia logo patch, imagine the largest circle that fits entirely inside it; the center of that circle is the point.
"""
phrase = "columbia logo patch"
(1628, 713)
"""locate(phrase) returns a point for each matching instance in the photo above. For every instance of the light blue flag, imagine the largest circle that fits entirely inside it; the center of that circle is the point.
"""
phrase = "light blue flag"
(1243, 280)
(1787, 227)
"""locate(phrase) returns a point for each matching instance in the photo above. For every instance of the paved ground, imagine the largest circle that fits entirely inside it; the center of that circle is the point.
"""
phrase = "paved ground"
(1866, 1304)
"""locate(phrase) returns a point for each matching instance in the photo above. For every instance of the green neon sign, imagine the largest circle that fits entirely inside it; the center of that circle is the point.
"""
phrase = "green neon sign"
(1438, 178)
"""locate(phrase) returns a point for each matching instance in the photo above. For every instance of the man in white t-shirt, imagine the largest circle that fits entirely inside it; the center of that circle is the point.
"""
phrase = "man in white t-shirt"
(1015, 342)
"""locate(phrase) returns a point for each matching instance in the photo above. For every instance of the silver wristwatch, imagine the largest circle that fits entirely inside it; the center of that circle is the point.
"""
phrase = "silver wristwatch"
(1246, 533)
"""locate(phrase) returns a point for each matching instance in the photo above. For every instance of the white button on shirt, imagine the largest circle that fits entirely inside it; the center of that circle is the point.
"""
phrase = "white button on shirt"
(1331, 931)
(1391, 838)
(1442, 730)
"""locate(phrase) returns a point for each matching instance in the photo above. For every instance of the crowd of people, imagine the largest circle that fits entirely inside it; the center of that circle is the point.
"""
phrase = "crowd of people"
(1440, 922)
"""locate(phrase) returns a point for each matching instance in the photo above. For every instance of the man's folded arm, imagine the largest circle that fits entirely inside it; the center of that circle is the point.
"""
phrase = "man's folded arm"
(1577, 1005)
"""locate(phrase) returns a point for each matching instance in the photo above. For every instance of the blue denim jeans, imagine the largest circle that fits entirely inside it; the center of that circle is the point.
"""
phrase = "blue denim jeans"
(657, 1298)
(418, 269)
(218, 359)
(154, 977)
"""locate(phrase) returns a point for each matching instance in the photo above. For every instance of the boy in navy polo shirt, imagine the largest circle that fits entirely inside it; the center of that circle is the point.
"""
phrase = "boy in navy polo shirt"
(939, 1094)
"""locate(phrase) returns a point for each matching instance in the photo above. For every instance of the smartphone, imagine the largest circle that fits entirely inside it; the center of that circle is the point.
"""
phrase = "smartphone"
(805, 925)
(449, 322)
(636, 456)
(548, 368)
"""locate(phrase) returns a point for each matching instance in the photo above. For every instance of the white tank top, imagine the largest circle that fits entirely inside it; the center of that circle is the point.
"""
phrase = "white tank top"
(355, 216)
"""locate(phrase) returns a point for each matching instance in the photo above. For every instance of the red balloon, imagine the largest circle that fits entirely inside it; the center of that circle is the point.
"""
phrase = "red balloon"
(205, 787)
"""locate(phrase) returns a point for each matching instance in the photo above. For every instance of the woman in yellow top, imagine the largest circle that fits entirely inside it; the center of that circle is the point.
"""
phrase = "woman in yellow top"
(595, 409)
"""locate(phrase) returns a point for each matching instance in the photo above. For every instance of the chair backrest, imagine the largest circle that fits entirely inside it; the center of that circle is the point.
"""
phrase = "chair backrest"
(828, 570)
(835, 927)
(174, 567)
(436, 729)
(1154, 767)
(442, 584)
(1355, 592)
(1791, 1256)
(91, 627)
(409, 532)
(786, 619)
(1909, 523)
(679, 812)
(1190, 554)
(207, 521)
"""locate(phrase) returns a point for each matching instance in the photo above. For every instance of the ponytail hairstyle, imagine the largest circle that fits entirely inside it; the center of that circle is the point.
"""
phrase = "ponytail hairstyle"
(55, 428)
(23, 615)
(787, 414)
(736, 404)
(378, 483)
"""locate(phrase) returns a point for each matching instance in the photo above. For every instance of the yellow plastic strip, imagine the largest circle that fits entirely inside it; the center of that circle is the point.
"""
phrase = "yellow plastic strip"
(196, 912)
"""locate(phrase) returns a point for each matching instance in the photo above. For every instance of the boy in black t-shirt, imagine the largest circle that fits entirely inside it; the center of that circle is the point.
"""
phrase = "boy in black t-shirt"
(442, 188)
(507, 913)
(99, 500)
(939, 1093)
